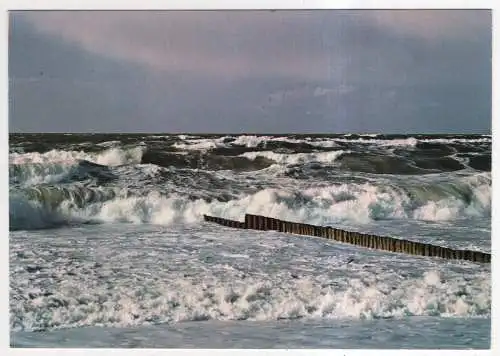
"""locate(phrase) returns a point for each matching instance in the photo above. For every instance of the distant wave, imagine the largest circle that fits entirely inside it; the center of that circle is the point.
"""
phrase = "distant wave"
(321, 179)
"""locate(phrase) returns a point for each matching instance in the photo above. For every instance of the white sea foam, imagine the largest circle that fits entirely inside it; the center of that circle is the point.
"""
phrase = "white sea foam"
(110, 157)
(254, 298)
(250, 140)
(39, 173)
(296, 158)
(405, 142)
(254, 141)
(108, 143)
(200, 144)
(485, 139)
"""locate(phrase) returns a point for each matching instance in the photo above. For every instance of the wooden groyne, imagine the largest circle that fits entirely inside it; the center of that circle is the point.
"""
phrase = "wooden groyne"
(225, 222)
(383, 243)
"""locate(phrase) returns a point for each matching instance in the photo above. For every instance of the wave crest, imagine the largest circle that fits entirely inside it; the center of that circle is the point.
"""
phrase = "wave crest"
(352, 202)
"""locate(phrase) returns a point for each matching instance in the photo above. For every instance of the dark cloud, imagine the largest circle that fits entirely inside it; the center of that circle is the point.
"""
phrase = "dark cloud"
(384, 71)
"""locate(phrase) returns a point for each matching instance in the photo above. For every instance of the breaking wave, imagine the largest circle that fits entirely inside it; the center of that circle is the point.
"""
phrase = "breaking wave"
(111, 157)
(352, 202)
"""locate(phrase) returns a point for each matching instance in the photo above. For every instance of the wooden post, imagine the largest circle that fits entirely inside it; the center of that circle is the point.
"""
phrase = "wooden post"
(391, 244)
(404, 246)
(384, 242)
(408, 247)
(369, 241)
(411, 246)
(250, 222)
(434, 251)
(416, 248)
(267, 222)
(260, 222)
(279, 225)
(387, 244)
(364, 240)
(350, 236)
(467, 255)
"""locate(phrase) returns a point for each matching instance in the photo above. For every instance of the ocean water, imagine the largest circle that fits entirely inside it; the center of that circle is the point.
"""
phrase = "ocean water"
(108, 247)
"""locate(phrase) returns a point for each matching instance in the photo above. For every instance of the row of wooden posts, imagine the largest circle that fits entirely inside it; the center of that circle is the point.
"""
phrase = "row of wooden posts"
(258, 222)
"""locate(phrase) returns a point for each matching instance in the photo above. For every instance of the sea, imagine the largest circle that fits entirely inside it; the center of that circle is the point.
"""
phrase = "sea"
(108, 247)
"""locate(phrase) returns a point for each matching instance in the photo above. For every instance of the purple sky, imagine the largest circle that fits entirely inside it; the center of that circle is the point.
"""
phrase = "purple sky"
(250, 71)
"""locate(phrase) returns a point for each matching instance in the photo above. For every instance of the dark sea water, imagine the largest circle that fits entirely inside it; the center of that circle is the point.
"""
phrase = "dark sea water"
(108, 247)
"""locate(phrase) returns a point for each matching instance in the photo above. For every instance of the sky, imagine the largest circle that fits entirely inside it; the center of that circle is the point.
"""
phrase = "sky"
(321, 71)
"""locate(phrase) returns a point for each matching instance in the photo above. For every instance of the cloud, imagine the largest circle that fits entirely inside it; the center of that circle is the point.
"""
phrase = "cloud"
(221, 43)
(227, 44)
